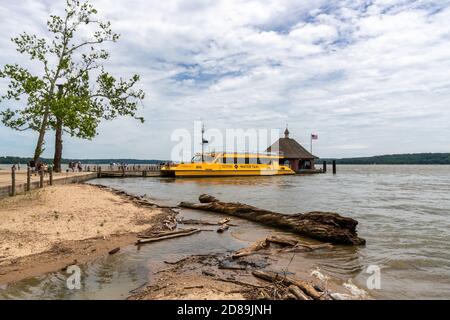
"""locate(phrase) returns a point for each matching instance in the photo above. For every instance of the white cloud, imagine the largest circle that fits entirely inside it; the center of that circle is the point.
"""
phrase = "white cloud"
(369, 79)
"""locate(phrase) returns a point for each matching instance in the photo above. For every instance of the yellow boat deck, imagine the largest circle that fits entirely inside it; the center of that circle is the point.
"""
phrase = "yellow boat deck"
(228, 164)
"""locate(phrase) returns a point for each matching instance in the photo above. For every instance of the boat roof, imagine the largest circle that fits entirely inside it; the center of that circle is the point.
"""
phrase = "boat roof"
(267, 155)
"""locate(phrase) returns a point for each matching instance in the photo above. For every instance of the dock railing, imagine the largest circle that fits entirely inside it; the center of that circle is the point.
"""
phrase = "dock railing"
(122, 168)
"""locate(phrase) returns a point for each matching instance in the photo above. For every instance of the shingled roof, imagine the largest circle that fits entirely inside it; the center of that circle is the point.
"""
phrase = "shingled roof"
(290, 149)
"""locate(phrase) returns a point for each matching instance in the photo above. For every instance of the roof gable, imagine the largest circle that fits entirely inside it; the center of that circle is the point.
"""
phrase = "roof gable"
(290, 149)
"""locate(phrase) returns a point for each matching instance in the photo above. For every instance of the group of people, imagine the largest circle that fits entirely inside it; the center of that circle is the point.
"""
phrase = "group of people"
(75, 166)
(119, 166)
(37, 166)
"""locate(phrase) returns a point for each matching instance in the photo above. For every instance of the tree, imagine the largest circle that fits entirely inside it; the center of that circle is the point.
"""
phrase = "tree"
(88, 93)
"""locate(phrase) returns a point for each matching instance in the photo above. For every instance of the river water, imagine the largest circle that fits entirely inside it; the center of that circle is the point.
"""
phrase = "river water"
(403, 213)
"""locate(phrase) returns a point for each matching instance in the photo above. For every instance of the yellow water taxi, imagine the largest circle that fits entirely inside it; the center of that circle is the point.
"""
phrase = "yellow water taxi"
(228, 164)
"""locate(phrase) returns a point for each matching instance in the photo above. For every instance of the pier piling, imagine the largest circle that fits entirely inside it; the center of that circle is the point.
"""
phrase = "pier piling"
(41, 178)
(13, 181)
(324, 167)
(334, 166)
(28, 187)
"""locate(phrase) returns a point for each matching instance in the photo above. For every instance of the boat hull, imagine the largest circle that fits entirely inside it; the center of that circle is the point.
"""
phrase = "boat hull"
(223, 173)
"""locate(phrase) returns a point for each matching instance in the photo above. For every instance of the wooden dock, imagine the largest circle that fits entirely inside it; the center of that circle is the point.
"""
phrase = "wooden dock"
(129, 171)
(15, 181)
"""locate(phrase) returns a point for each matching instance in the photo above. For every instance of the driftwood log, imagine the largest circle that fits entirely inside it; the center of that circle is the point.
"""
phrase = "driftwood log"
(288, 281)
(223, 228)
(287, 244)
(298, 294)
(168, 235)
(324, 226)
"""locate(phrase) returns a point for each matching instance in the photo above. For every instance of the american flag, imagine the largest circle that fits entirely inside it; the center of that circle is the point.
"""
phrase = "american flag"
(314, 136)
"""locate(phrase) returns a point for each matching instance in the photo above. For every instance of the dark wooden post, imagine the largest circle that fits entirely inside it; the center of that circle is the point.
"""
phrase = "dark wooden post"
(99, 174)
(144, 173)
(123, 171)
(334, 166)
(324, 167)
(50, 176)
(28, 178)
(13, 181)
(41, 178)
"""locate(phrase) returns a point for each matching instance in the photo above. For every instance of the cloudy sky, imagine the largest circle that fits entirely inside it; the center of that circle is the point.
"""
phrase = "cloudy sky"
(370, 77)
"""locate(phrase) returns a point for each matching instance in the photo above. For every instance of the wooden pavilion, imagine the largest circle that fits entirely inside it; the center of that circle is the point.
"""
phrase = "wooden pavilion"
(295, 155)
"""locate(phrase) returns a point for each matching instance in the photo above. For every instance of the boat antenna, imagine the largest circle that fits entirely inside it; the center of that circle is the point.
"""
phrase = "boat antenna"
(203, 142)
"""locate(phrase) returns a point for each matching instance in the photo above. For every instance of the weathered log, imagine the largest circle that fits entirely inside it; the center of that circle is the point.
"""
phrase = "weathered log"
(288, 281)
(194, 287)
(290, 296)
(256, 246)
(206, 198)
(197, 222)
(241, 283)
(289, 245)
(325, 226)
(231, 267)
(282, 241)
(298, 293)
(223, 228)
(159, 234)
(114, 251)
(307, 248)
(224, 220)
(176, 235)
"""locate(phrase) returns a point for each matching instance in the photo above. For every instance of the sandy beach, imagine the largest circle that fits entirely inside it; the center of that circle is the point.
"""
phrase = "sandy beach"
(48, 229)
(58, 225)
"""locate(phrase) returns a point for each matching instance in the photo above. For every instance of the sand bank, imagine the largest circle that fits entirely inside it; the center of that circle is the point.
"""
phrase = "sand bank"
(45, 230)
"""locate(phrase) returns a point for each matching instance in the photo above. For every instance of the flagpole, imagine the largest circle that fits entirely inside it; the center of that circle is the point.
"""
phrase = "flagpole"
(203, 131)
(311, 144)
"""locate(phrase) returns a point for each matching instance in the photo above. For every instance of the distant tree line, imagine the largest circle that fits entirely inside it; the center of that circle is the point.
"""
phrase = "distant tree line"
(410, 158)
(12, 160)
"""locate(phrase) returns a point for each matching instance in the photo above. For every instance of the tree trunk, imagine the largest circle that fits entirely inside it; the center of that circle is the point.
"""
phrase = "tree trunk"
(324, 226)
(40, 142)
(58, 137)
(58, 146)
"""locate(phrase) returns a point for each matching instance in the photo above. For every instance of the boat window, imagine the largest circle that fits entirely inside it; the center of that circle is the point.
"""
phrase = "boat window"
(265, 161)
(198, 158)
(247, 160)
(235, 160)
(241, 160)
(224, 159)
(208, 158)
